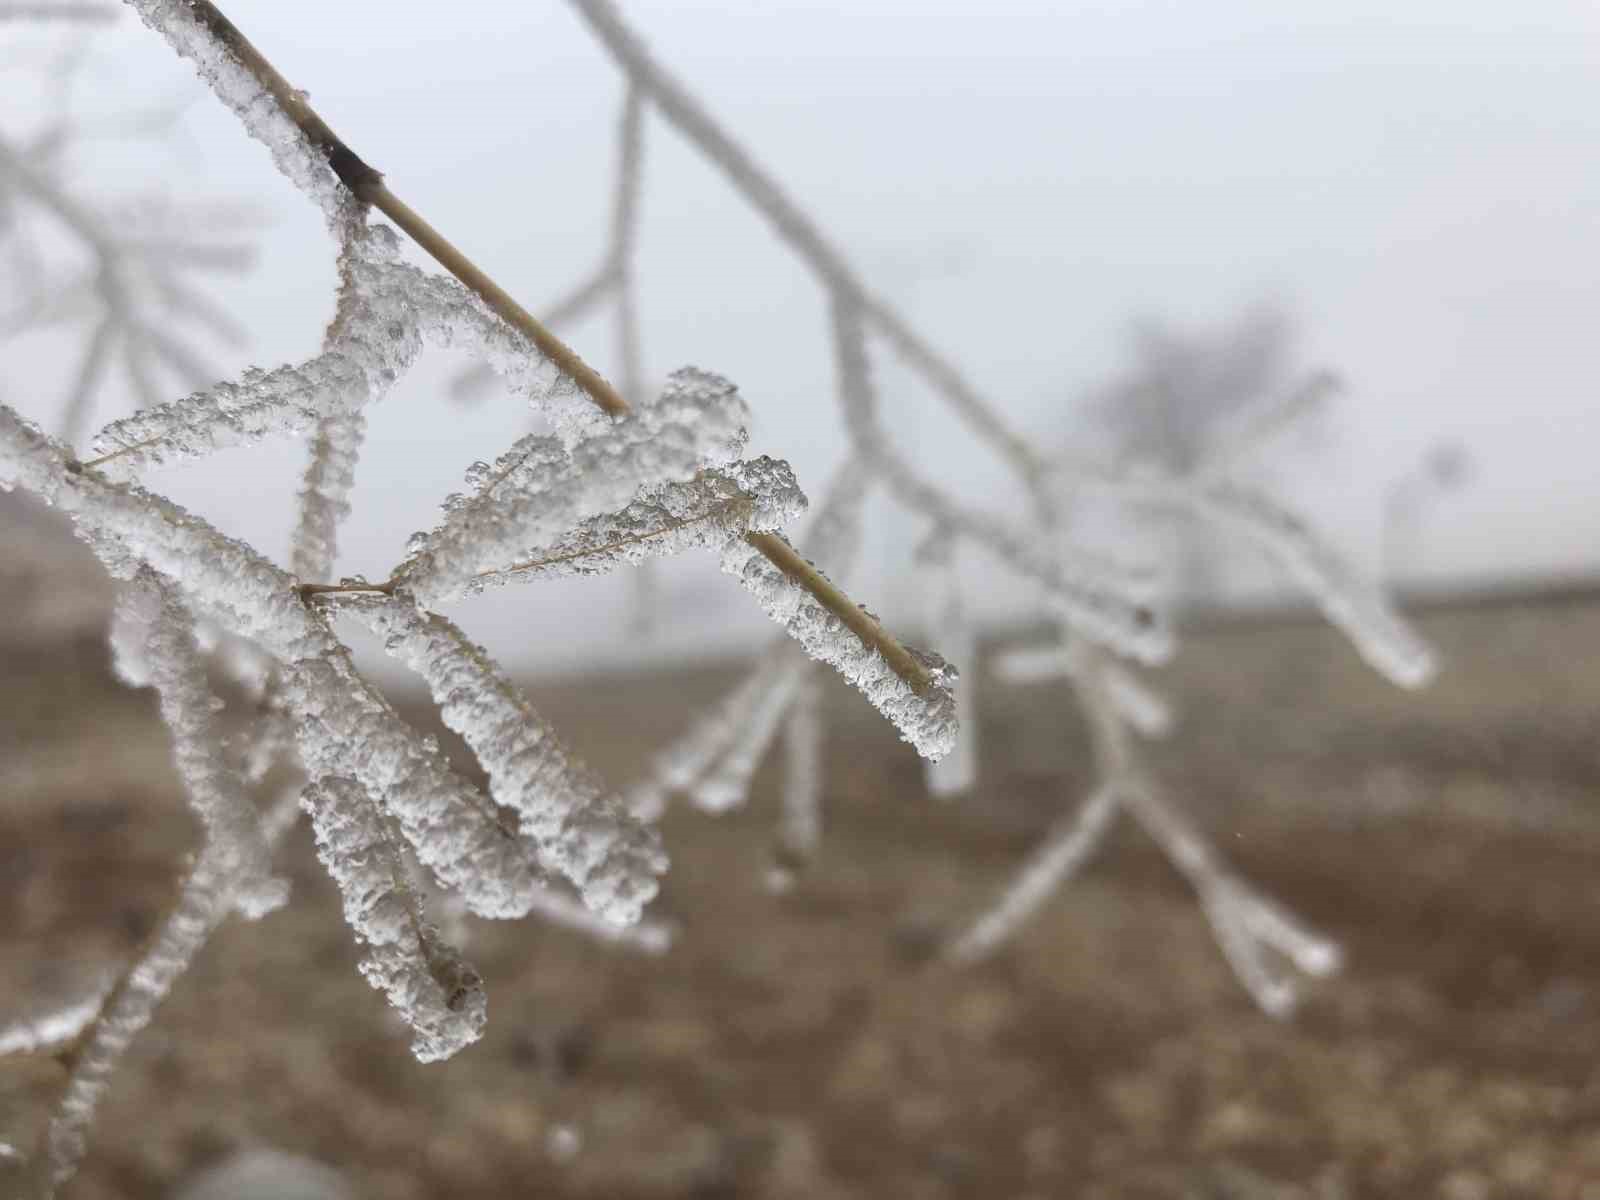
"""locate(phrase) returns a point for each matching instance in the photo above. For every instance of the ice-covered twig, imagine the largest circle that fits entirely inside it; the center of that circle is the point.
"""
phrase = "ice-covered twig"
(437, 993)
(154, 646)
(578, 828)
(949, 628)
(708, 511)
(725, 784)
(540, 489)
(56, 1027)
(1107, 602)
(804, 765)
(1056, 859)
(132, 274)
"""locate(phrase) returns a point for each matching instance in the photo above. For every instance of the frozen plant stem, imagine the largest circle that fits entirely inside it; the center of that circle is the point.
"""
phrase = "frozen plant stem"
(367, 184)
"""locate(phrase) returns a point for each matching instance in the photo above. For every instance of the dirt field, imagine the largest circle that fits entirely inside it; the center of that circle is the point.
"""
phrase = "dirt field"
(803, 1045)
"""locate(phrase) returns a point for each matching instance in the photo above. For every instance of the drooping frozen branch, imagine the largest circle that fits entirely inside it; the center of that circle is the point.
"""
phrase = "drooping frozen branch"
(579, 829)
(439, 995)
(154, 645)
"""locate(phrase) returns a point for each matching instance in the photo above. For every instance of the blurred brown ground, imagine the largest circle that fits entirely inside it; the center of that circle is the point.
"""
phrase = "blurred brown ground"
(802, 1046)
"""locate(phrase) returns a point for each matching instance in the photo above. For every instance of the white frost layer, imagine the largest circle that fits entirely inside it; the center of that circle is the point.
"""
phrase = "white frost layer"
(387, 312)
(344, 727)
(1357, 607)
(461, 837)
(153, 642)
(52, 1028)
(438, 994)
(727, 784)
(951, 630)
(541, 487)
(927, 721)
(804, 767)
(293, 154)
(704, 512)
(580, 830)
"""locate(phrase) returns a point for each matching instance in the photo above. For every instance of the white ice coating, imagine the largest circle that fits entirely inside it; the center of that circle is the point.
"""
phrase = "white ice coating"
(541, 488)
(293, 154)
(154, 645)
(1055, 860)
(1352, 604)
(950, 628)
(704, 512)
(579, 829)
(1249, 928)
(927, 720)
(834, 538)
(387, 312)
(804, 767)
(726, 784)
(1144, 708)
(52, 1028)
(685, 759)
(438, 994)
(342, 726)
(336, 444)
(646, 936)
(201, 907)
(1103, 600)
(468, 845)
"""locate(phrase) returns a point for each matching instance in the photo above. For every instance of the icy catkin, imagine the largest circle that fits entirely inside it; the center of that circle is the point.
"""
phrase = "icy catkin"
(706, 511)
(1358, 608)
(926, 720)
(467, 844)
(439, 995)
(154, 644)
(541, 488)
(580, 830)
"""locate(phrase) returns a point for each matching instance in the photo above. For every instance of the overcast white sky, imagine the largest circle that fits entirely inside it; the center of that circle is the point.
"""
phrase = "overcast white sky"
(1419, 184)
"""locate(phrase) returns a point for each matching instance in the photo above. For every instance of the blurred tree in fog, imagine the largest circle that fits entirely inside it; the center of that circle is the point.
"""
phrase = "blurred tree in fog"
(1196, 404)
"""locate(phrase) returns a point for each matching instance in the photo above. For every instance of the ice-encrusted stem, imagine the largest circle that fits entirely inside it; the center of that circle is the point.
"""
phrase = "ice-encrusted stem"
(203, 903)
(727, 783)
(1105, 601)
(1067, 846)
(154, 644)
(579, 829)
(950, 628)
(437, 993)
(804, 765)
